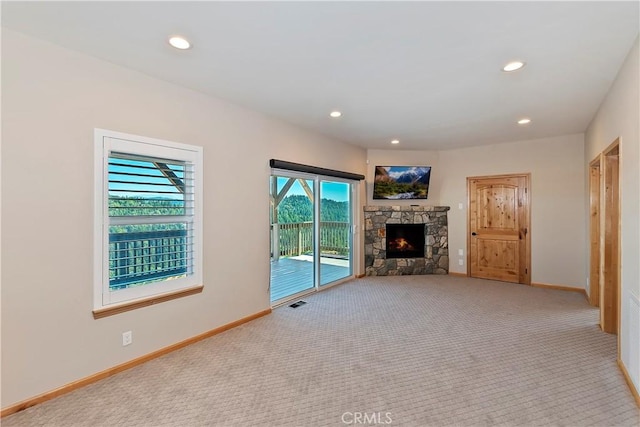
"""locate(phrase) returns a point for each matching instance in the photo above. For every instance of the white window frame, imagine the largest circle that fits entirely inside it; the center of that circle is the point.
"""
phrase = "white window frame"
(106, 142)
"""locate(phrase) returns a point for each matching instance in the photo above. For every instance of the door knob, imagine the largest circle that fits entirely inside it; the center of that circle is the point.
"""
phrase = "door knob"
(474, 234)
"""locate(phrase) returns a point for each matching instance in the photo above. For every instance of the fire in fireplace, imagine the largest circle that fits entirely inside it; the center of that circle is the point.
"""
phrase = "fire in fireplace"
(405, 240)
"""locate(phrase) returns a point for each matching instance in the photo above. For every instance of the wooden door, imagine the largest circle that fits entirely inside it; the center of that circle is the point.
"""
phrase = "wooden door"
(610, 282)
(498, 225)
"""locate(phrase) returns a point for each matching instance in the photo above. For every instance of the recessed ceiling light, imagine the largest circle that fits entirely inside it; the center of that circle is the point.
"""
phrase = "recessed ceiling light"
(335, 114)
(179, 42)
(395, 141)
(513, 66)
(524, 121)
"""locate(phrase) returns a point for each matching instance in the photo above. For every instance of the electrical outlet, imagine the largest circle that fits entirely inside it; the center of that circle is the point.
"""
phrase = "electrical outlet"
(460, 252)
(460, 206)
(460, 262)
(127, 338)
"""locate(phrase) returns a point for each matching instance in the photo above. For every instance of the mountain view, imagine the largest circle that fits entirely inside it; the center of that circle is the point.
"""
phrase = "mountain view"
(401, 182)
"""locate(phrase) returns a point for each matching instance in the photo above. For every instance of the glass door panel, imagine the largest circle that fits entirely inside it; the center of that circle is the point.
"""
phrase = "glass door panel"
(335, 231)
(292, 236)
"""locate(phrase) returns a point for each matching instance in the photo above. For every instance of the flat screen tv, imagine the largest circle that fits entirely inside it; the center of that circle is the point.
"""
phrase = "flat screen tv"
(401, 182)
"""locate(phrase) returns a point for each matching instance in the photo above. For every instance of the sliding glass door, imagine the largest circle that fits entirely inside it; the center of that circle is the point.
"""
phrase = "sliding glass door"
(292, 235)
(335, 231)
(311, 233)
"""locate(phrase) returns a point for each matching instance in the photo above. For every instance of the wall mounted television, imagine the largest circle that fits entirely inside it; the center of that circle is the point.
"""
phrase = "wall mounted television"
(401, 182)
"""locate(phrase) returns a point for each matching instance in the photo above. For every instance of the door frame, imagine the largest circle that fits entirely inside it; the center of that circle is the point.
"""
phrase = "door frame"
(525, 261)
(611, 238)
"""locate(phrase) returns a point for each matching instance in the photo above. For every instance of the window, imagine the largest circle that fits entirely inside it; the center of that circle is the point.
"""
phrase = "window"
(148, 221)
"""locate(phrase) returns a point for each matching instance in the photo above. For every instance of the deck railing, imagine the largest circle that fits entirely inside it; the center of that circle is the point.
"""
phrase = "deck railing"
(146, 256)
(297, 238)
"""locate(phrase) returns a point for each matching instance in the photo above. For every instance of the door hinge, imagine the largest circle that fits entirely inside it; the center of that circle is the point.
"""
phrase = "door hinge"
(526, 271)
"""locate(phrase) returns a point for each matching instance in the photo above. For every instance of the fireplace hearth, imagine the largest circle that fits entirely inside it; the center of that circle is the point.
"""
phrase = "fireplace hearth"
(405, 240)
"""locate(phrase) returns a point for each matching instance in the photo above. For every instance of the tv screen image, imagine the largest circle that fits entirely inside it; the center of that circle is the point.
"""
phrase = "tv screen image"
(401, 182)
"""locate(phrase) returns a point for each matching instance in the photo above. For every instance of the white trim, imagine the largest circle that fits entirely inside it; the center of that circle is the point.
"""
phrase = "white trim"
(98, 217)
(355, 232)
(107, 142)
(146, 140)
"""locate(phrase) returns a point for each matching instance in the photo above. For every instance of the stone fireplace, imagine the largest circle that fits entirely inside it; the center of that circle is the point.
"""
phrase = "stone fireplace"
(403, 240)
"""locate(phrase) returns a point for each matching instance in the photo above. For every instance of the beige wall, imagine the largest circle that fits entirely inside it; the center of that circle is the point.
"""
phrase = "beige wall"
(52, 100)
(619, 117)
(557, 200)
(557, 197)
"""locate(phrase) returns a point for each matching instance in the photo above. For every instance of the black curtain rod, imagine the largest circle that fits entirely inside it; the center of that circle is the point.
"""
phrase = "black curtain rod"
(297, 167)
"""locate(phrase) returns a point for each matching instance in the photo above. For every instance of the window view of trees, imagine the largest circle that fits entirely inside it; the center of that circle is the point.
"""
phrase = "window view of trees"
(138, 206)
(298, 208)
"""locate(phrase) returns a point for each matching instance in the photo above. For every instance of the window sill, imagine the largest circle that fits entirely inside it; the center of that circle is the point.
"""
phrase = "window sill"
(133, 305)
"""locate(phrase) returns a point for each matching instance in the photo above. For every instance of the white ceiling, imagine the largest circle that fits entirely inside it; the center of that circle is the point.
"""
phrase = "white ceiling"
(427, 73)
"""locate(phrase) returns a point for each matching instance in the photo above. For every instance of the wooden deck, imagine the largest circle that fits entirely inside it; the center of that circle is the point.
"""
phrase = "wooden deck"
(295, 274)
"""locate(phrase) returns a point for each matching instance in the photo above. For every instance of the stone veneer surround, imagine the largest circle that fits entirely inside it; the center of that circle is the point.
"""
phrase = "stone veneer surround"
(436, 251)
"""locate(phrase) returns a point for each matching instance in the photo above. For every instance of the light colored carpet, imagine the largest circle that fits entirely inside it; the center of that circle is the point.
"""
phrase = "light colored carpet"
(410, 350)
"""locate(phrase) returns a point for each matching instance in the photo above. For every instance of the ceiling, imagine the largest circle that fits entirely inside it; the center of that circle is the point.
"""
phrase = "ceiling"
(426, 73)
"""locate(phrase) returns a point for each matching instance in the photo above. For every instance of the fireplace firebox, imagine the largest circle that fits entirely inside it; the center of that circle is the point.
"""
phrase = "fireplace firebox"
(405, 240)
